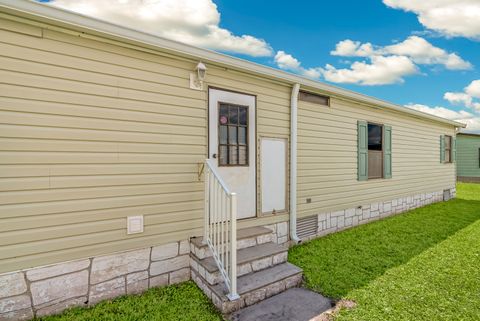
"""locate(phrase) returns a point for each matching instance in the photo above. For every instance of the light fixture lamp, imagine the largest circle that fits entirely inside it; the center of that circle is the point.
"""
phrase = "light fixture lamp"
(197, 78)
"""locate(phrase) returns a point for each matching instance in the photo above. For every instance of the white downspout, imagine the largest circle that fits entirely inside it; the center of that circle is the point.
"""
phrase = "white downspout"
(293, 163)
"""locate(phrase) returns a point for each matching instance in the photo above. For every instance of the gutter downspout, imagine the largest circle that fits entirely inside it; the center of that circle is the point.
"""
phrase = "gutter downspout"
(293, 163)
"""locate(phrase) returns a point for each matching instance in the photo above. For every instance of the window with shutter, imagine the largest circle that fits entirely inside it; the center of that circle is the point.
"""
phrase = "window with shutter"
(442, 148)
(387, 152)
(362, 157)
(374, 151)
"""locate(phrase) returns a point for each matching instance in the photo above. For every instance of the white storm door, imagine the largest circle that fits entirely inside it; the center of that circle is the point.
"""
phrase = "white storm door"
(232, 145)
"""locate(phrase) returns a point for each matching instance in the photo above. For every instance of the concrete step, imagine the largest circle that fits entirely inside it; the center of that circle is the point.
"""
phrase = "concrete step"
(246, 237)
(250, 259)
(253, 287)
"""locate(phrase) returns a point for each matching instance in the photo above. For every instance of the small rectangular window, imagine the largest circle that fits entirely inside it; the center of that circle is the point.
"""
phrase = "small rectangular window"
(375, 151)
(448, 149)
(232, 135)
(314, 98)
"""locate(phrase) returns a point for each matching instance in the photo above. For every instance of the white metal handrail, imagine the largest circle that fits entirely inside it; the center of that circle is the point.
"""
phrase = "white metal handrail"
(220, 228)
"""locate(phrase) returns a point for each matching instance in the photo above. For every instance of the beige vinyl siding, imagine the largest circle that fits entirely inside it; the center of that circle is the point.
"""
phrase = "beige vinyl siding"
(92, 132)
(327, 157)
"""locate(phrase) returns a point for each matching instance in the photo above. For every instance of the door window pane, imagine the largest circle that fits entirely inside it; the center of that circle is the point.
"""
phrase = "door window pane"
(242, 115)
(233, 115)
(222, 158)
(232, 155)
(242, 155)
(233, 135)
(223, 135)
(242, 135)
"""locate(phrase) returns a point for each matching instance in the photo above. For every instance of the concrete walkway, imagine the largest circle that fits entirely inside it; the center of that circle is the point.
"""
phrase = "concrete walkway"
(295, 304)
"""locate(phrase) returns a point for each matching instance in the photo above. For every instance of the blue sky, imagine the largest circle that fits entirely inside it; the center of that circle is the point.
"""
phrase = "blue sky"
(421, 53)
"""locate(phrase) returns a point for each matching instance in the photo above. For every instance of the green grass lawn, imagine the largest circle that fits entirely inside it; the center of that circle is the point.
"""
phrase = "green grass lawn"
(422, 265)
(177, 302)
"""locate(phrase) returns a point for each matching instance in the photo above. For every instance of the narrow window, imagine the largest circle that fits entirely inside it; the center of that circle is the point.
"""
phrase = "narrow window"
(448, 149)
(375, 151)
(314, 98)
(232, 135)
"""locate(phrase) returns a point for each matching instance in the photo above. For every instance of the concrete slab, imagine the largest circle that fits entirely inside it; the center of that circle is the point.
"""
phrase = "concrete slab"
(295, 304)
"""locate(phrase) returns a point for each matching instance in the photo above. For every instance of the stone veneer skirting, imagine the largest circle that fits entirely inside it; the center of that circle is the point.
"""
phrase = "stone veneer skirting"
(51, 289)
(332, 222)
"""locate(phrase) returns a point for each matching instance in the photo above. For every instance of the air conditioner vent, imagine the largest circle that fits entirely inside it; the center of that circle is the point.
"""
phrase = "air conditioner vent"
(307, 226)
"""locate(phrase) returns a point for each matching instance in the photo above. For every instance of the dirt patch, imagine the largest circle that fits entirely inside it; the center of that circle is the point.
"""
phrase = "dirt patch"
(330, 314)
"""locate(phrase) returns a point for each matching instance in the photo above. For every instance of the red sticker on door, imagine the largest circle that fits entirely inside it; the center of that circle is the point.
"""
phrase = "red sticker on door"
(223, 120)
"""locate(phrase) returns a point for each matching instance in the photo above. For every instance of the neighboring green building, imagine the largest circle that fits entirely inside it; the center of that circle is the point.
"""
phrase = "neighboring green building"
(468, 157)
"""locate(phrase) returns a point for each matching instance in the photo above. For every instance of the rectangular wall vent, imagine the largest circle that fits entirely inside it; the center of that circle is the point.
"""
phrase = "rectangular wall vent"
(307, 226)
(447, 195)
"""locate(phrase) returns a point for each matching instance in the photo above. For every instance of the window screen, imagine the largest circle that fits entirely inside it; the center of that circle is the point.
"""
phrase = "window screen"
(233, 135)
(448, 149)
(375, 151)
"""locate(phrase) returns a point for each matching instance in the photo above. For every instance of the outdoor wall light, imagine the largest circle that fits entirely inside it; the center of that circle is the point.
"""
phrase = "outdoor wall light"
(197, 77)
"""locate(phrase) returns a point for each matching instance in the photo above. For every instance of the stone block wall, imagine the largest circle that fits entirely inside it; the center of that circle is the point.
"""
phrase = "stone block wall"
(331, 222)
(279, 232)
(51, 289)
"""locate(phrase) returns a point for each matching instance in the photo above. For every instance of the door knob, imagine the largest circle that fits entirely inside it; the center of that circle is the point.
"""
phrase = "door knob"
(214, 155)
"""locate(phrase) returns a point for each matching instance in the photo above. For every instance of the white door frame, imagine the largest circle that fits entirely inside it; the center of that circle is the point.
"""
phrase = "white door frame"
(240, 179)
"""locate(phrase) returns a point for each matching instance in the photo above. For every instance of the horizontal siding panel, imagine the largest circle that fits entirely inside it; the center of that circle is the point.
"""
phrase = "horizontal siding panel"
(23, 249)
(41, 82)
(22, 131)
(182, 191)
(98, 226)
(13, 184)
(15, 144)
(161, 115)
(154, 214)
(32, 53)
(98, 158)
(7, 171)
(55, 96)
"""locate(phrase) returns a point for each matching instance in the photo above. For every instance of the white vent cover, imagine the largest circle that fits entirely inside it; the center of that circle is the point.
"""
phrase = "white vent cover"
(307, 226)
(134, 224)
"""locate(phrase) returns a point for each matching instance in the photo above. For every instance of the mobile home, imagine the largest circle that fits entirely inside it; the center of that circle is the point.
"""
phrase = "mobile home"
(468, 156)
(130, 161)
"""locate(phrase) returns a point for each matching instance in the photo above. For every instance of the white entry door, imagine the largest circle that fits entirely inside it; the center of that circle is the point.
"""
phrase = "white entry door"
(232, 145)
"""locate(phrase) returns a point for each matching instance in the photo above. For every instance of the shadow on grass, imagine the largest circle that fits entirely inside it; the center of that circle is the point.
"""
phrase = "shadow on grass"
(336, 264)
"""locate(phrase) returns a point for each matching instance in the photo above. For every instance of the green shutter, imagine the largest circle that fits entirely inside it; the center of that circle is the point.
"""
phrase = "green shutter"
(454, 149)
(362, 151)
(387, 152)
(442, 148)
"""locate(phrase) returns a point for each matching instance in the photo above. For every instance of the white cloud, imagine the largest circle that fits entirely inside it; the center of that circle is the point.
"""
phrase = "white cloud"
(381, 71)
(458, 98)
(469, 97)
(196, 22)
(450, 18)
(472, 120)
(288, 62)
(473, 89)
(416, 48)
(423, 52)
(349, 48)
